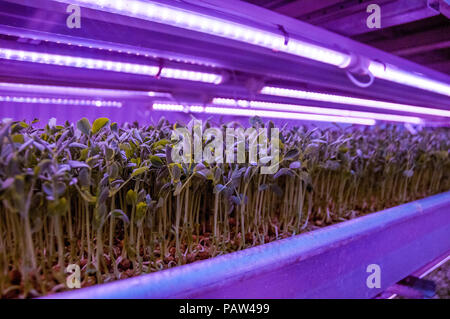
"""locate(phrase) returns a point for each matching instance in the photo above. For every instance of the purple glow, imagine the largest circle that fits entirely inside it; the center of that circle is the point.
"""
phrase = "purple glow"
(177, 17)
(111, 47)
(316, 110)
(168, 107)
(218, 27)
(391, 73)
(59, 101)
(306, 95)
(96, 64)
(32, 88)
(261, 113)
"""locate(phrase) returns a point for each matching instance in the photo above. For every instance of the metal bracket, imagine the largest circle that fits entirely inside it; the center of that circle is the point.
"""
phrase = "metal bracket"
(414, 288)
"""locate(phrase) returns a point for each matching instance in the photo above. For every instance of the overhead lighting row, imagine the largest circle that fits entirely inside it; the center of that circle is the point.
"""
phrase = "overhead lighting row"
(105, 65)
(161, 13)
(262, 113)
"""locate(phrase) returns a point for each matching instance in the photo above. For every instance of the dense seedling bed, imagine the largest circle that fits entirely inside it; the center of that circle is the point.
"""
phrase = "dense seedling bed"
(110, 199)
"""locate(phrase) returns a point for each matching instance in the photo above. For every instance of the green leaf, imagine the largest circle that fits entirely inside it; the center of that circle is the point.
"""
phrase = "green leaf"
(87, 196)
(131, 197)
(141, 209)
(84, 154)
(114, 127)
(23, 124)
(160, 144)
(57, 207)
(84, 126)
(99, 124)
(139, 171)
(18, 138)
(156, 161)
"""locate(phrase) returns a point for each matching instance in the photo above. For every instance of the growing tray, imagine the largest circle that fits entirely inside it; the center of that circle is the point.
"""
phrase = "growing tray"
(327, 263)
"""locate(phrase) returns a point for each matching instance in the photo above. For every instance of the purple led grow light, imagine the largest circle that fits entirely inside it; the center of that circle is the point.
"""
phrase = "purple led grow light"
(393, 74)
(59, 101)
(219, 27)
(261, 113)
(168, 107)
(315, 110)
(66, 90)
(102, 46)
(307, 95)
(96, 64)
(178, 17)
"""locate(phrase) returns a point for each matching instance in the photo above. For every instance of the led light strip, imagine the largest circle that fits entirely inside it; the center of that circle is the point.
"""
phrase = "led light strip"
(261, 113)
(59, 101)
(315, 110)
(390, 73)
(168, 107)
(314, 96)
(66, 90)
(78, 62)
(108, 47)
(207, 24)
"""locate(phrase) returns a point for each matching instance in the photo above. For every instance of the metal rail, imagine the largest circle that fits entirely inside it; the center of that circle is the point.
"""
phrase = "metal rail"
(327, 263)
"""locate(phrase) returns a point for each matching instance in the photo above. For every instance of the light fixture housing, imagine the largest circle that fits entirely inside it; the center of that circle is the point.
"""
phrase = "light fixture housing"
(315, 110)
(169, 15)
(211, 109)
(339, 99)
(59, 101)
(78, 91)
(391, 73)
(108, 65)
